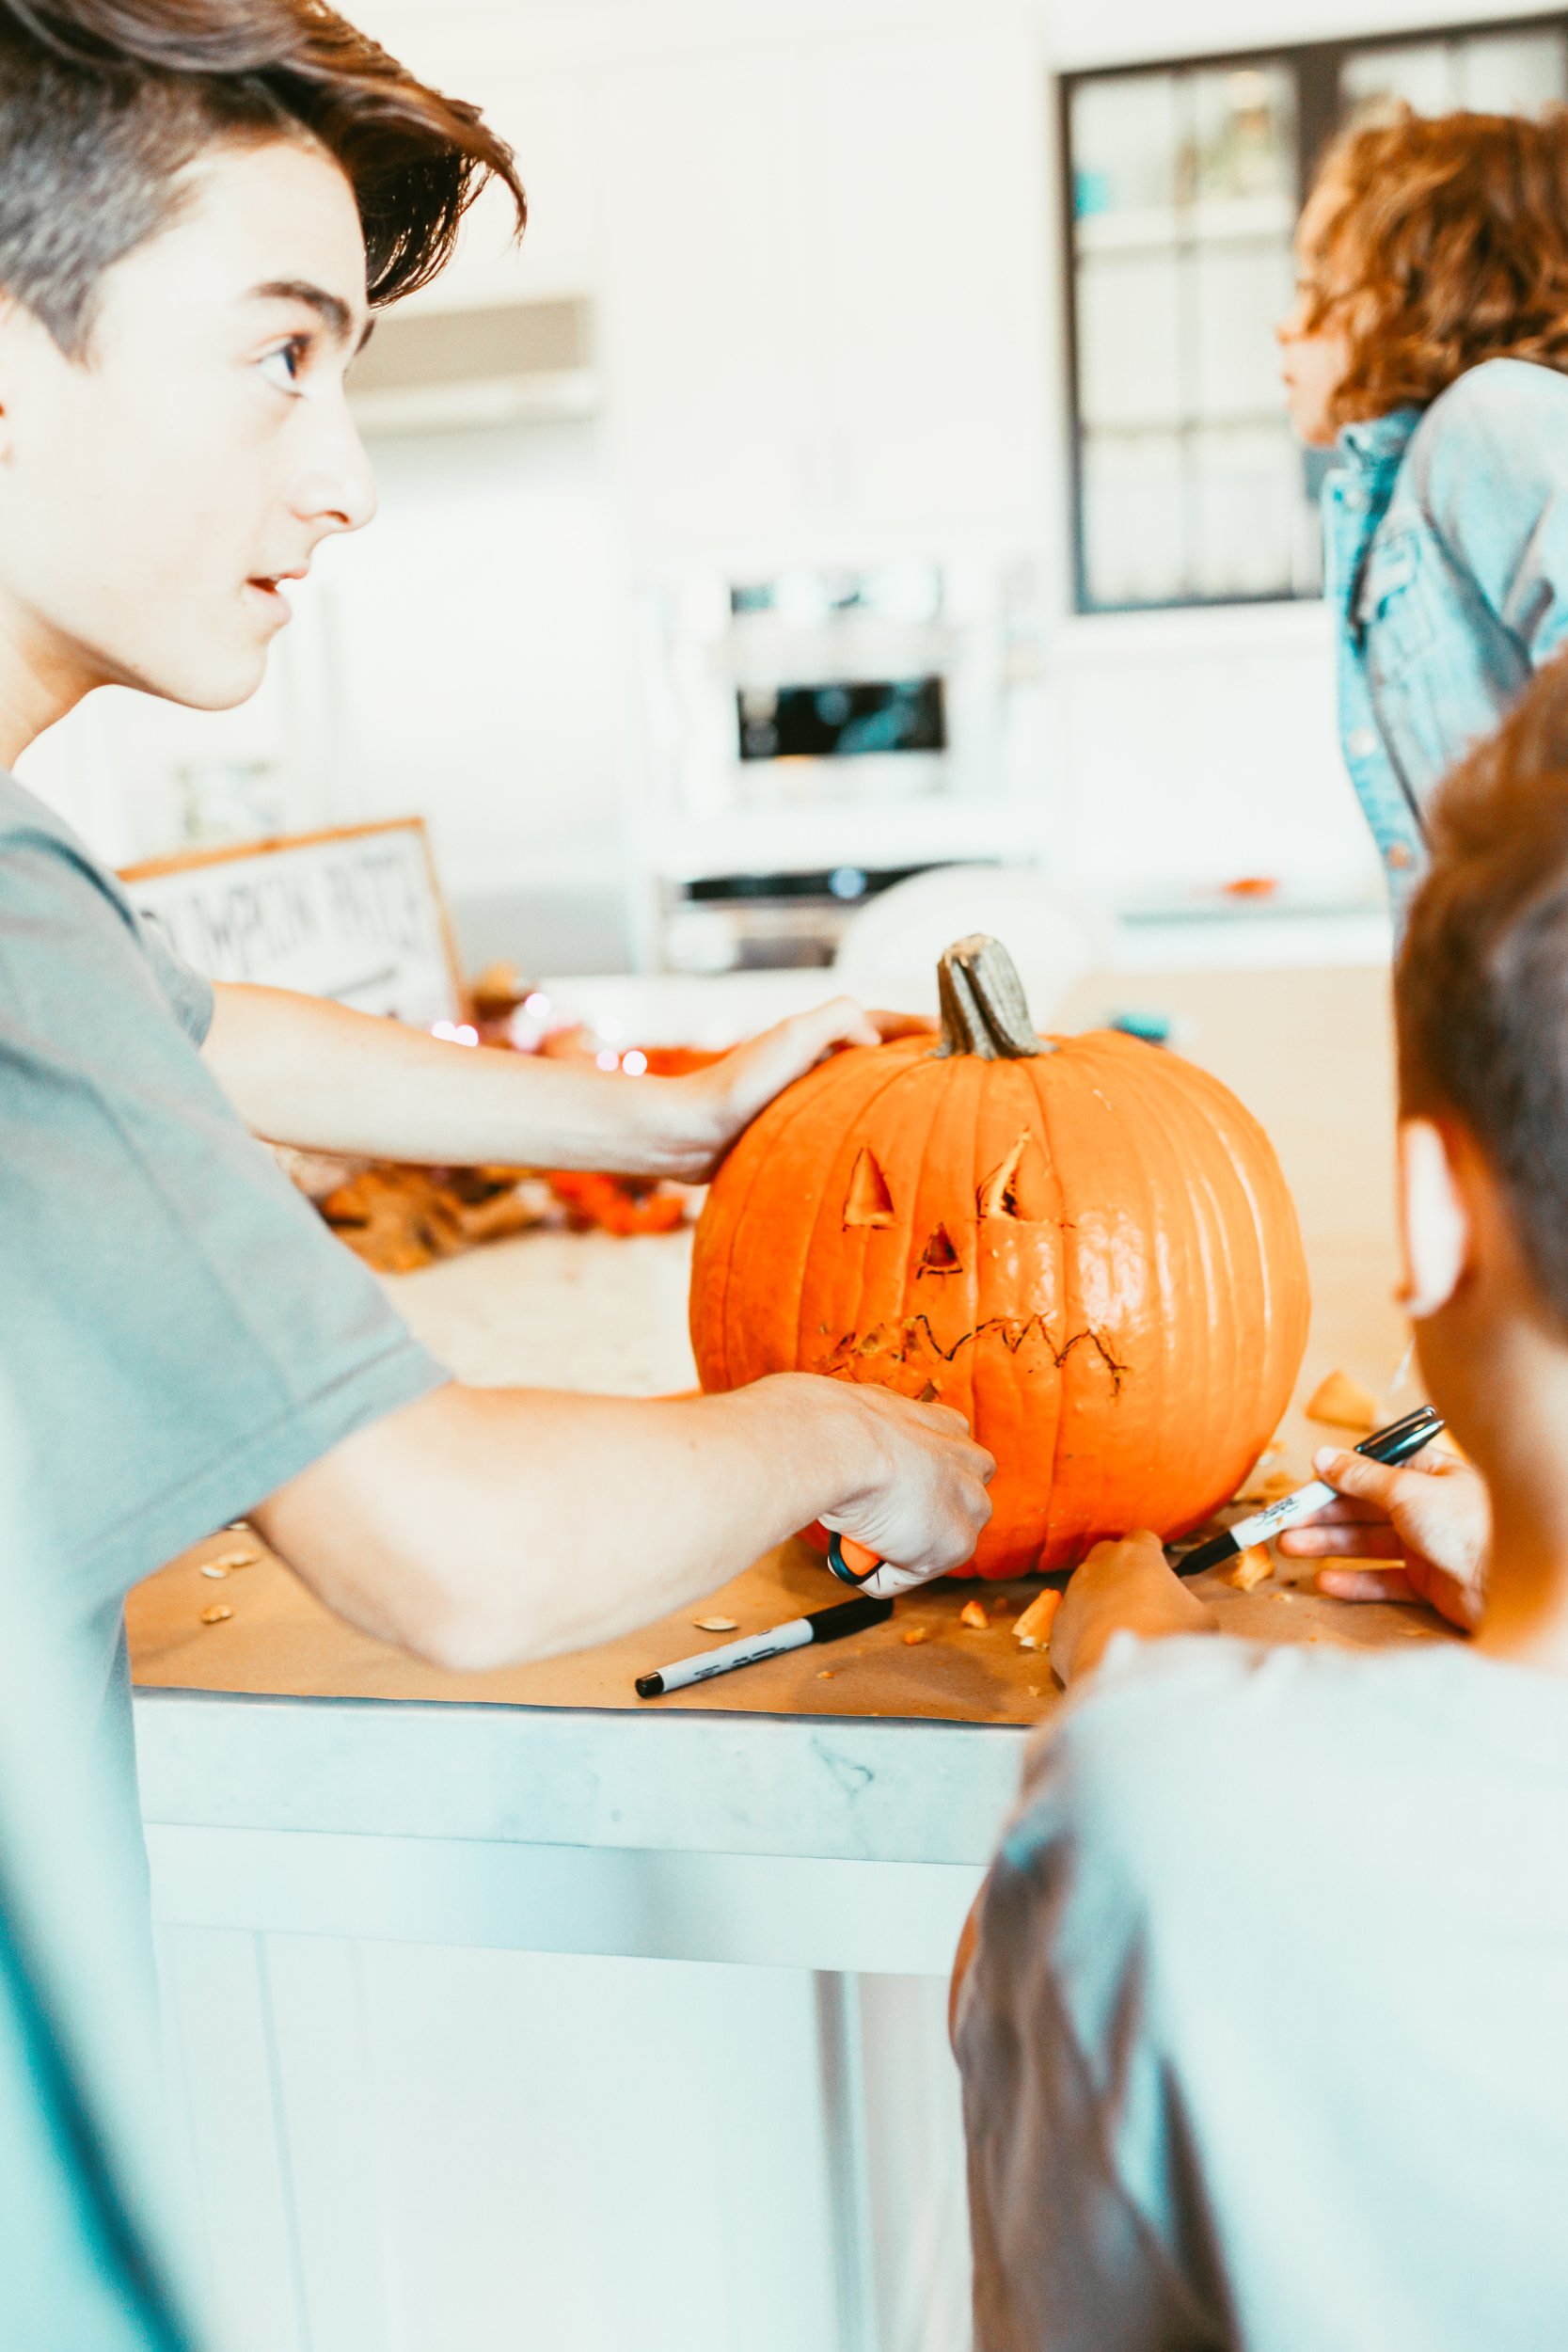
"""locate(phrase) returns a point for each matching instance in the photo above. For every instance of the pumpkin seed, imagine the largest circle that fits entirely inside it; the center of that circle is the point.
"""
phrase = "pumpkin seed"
(715, 1624)
(216, 1616)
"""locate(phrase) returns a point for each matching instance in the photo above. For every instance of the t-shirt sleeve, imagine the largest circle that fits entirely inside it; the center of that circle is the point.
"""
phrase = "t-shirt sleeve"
(188, 990)
(188, 1336)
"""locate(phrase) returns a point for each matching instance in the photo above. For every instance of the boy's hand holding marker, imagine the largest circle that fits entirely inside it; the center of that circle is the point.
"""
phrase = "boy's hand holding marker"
(1429, 1518)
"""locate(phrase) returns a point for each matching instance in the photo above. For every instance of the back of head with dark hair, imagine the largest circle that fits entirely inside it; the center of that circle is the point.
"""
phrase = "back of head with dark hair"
(103, 103)
(1481, 989)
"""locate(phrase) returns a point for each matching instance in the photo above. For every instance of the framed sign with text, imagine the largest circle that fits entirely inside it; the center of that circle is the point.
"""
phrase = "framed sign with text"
(354, 913)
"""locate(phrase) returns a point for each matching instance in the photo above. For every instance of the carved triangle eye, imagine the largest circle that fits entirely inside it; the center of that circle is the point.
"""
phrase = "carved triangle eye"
(1020, 1187)
(940, 1256)
(869, 1201)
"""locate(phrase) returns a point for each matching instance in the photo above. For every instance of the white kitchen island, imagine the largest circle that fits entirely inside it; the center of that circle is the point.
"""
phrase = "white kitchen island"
(506, 2012)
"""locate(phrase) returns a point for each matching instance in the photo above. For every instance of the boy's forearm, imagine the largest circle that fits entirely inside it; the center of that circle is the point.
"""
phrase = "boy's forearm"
(303, 1072)
(488, 1527)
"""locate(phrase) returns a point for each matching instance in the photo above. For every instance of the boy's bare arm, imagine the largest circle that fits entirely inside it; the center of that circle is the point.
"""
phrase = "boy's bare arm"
(484, 1527)
(303, 1072)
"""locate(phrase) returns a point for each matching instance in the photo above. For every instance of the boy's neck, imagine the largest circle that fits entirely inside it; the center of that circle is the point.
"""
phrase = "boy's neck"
(1521, 1448)
(40, 679)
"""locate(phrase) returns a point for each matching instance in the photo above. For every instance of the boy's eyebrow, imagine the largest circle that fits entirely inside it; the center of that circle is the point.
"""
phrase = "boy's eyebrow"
(330, 309)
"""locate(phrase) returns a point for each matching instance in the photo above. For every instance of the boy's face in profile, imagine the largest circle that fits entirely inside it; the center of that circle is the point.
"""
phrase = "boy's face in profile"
(153, 492)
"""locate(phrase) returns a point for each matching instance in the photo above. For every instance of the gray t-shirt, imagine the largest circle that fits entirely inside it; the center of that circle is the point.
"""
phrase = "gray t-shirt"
(181, 1332)
(1266, 2039)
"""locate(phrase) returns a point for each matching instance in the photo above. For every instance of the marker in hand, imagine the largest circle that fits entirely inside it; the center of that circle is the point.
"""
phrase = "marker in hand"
(1390, 1446)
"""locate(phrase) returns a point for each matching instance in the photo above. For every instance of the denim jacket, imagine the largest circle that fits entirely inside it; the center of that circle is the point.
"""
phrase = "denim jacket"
(1445, 557)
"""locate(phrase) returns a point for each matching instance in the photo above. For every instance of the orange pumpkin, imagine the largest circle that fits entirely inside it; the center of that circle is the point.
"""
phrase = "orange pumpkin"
(1083, 1244)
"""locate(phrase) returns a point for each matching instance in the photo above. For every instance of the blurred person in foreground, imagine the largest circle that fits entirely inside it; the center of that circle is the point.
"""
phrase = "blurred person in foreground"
(1260, 2013)
(1429, 349)
(91, 2260)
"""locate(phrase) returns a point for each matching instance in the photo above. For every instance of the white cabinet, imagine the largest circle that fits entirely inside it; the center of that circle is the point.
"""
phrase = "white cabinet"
(823, 289)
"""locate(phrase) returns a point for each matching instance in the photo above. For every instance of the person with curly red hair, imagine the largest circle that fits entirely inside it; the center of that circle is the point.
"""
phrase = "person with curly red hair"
(1429, 347)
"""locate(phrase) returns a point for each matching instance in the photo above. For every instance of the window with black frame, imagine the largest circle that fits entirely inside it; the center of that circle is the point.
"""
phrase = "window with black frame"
(1184, 184)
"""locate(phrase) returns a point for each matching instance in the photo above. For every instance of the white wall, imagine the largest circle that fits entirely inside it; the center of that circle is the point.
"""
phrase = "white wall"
(821, 247)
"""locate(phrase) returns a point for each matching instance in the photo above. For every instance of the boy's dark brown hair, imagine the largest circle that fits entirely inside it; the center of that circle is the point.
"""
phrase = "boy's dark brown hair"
(1481, 988)
(1435, 243)
(103, 103)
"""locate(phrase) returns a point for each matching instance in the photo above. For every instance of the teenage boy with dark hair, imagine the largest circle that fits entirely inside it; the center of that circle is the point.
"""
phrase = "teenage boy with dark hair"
(201, 201)
(1263, 2029)
(201, 205)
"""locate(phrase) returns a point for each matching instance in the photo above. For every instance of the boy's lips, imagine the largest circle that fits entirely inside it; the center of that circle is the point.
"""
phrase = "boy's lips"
(267, 588)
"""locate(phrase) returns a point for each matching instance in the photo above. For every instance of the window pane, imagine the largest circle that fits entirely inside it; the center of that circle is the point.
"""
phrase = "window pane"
(1248, 497)
(1415, 73)
(1512, 73)
(1135, 518)
(1506, 74)
(1129, 340)
(1241, 135)
(1239, 295)
(1124, 147)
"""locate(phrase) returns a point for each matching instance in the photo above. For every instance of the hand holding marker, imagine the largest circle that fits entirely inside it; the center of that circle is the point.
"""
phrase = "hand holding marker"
(1390, 1446)
(853, 1564)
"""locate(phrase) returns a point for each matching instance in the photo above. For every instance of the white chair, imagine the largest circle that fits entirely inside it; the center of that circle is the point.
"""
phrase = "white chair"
(888, 953)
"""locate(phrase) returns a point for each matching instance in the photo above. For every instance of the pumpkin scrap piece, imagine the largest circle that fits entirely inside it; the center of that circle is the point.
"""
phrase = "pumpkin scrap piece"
(1251, 1568)
(1343, 1402)
(218, 1614)
(1033, 1629)
(916, 1633)
(972, 1614)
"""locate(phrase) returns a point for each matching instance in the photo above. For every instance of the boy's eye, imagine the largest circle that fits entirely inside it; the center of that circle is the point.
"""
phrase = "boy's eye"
(282, 367)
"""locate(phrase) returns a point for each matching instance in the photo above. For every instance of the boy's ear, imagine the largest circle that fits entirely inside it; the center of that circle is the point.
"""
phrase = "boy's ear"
(1434, 1220)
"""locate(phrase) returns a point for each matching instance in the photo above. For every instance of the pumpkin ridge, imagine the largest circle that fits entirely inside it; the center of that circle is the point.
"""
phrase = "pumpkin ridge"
(1170, 1172)
(904, 1067)
(919, 1112)
(1042, 1079)
(767, 1146)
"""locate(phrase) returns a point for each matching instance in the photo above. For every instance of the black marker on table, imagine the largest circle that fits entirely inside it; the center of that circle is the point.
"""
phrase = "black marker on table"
(1390, 1446)
(823, 1625)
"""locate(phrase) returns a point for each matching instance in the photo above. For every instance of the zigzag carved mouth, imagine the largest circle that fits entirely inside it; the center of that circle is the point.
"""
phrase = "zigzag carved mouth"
(908, 1341)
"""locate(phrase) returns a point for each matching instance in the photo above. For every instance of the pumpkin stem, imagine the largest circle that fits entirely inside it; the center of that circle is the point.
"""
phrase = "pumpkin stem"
(984, 1011)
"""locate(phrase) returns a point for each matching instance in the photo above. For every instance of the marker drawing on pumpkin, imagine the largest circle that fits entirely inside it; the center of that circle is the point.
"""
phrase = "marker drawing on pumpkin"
(1090, 1249)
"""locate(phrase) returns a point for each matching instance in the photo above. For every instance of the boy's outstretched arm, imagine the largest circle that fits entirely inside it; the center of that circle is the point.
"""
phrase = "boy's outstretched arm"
(305, 1071)
(484, 1527)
